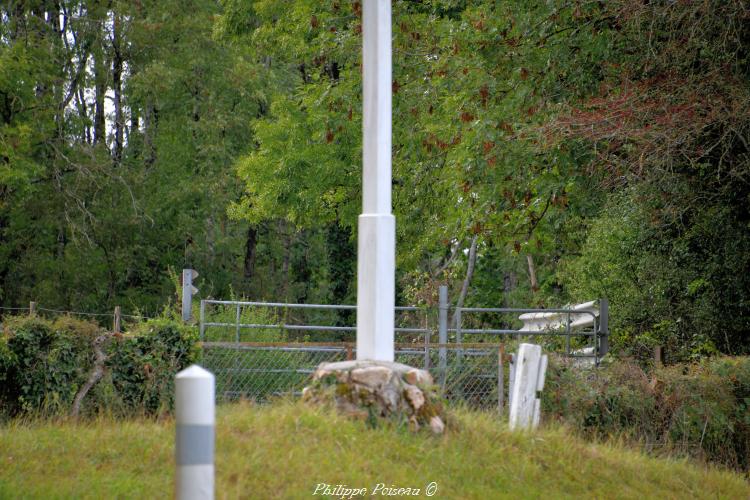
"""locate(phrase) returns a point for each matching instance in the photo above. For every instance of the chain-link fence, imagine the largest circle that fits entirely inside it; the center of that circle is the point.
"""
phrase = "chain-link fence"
(470, 373)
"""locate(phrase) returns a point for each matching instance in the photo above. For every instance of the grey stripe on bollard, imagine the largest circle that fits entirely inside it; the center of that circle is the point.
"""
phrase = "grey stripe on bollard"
(195, 445)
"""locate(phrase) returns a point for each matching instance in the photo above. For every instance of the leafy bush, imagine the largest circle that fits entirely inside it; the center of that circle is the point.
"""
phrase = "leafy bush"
(142, 364)
(43, 365)
(699, 410)
(681, 287)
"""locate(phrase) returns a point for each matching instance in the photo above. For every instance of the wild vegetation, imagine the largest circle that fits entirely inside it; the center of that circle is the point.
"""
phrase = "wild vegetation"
(544, 153)
(72, 367)
(697, 410)
(570, 150)
(476, 458)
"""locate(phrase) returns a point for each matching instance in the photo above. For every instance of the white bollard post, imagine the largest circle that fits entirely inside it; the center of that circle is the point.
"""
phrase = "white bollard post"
(524, 404)
(195, 417)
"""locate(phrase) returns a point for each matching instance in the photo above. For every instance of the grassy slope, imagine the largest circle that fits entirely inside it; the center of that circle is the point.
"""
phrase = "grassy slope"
(283, 450)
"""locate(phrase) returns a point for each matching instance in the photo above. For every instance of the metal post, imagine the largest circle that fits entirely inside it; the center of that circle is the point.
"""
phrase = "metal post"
(187, 293)
(117, 319)
(511, 379)
(427, 335)
(442, 332)
(459, 336)
(237, 325)
(500, 379)
(203, 321)
(603, 333)
(195, 416)
(567, 336)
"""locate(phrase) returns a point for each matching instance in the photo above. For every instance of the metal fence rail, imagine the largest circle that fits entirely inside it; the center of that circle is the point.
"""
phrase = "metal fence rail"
(229, 316)
(263, 349)
(260, 371)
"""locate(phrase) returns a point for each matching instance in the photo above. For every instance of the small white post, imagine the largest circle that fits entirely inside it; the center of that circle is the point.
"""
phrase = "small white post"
(195, 417)
(188, 290)
(529, 377)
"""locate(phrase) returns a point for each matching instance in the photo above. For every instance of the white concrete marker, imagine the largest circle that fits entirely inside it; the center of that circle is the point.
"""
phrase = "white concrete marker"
(530, 367)
(195, 417)
(376, 256)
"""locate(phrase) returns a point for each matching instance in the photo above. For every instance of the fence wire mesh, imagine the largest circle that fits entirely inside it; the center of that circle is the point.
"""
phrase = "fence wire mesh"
(261, 371)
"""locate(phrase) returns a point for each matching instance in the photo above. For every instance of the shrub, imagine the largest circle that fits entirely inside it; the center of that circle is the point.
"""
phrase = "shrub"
(142, 364)
(698, 410)
(43, 365)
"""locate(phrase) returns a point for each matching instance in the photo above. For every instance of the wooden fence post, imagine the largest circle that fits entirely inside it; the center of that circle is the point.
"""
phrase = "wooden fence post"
(118, 315)
(658, 357)
(32, 308)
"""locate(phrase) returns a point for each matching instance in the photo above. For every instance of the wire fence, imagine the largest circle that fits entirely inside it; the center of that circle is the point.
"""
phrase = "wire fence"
(470, 373)
(114, 317)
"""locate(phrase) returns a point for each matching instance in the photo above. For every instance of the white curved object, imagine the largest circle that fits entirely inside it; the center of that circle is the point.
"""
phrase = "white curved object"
(547, 321)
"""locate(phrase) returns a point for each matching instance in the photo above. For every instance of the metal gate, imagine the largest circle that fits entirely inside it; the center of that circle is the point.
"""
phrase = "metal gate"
(262, 349)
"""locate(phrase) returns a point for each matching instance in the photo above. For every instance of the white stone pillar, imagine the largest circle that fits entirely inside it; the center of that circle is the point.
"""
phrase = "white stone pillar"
(195, 418)
(376, 265)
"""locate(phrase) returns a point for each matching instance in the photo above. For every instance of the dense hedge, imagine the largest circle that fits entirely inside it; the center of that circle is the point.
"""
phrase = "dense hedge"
(44, 363)
(700, 410)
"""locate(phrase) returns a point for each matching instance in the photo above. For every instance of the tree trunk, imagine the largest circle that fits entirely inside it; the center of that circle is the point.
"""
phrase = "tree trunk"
(469, 275)
(97, 372)
(532, 273)
(100, 89)
(150, 122)
(251, 242)
(117, 84)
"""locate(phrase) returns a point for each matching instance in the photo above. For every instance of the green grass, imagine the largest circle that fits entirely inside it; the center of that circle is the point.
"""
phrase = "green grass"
(283, 450)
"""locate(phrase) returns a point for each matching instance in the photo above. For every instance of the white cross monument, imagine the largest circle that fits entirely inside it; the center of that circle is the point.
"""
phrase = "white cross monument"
(376, 259)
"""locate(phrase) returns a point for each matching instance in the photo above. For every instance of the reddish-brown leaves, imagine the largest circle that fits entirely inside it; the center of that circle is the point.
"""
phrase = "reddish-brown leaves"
(505, 127)
(484, 93)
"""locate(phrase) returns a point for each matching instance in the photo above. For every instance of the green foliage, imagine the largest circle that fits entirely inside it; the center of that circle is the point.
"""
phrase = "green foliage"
(609, 137)
(84, 225)
(471, 83)
(672, 279)
(142, 364)
(698, 410)
(669, 123)
(43, 364)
